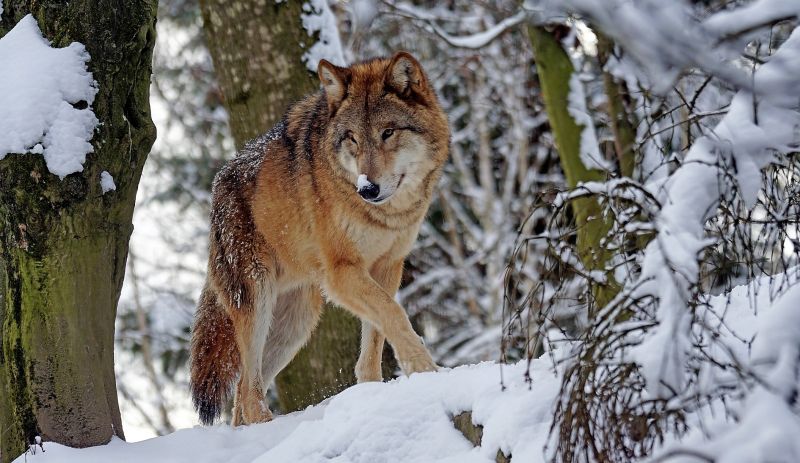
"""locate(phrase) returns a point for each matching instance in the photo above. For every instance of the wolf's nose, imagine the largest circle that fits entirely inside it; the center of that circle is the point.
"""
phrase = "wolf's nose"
(369, 191)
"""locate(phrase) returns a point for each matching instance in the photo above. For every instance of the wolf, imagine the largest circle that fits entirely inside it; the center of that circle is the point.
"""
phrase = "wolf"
(327, 204)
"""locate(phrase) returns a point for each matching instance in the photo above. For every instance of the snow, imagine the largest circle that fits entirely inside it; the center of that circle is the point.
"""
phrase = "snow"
(318, 18)
(576, 105)
(364, 12)
(38, 87)
(107, 182)
(662, 36)
(764, 427)
(693, 194)
(410, 419)
(480, 39)
(405, 420)
(362, 182)
(752, 15)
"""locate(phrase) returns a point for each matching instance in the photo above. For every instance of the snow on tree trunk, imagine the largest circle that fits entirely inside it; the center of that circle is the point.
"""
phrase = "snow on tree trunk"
(63, 243)
(258, 49)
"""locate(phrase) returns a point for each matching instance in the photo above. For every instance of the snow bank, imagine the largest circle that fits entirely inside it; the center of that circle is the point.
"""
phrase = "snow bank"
(410, 419)
(761, 334)
(405, 420)
(41, 91)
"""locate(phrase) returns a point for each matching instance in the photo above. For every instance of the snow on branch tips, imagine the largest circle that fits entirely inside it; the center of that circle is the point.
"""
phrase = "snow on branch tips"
(428, 19)
(46, 95)
(319, 19)
(755, 127)
(665, 37)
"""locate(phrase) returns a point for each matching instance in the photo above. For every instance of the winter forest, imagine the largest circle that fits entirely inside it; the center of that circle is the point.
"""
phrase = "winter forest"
(606, 271)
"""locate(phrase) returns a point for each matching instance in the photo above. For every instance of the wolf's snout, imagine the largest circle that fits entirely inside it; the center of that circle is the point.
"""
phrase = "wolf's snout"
(369, 192)
(367, 189)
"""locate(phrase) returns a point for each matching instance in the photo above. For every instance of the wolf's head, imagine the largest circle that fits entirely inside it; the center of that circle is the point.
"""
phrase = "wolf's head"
(387, 132)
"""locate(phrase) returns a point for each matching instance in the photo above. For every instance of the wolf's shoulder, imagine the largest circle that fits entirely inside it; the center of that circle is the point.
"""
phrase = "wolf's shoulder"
(241, 170)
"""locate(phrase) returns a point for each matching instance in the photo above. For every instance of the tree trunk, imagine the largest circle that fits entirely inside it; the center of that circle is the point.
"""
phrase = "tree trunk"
(257, 48)
(63, 243)
(555, 69)
(619, 116)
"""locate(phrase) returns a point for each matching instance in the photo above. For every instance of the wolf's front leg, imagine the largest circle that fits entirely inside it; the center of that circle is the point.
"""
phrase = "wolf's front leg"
(368, 367)
(349, 285)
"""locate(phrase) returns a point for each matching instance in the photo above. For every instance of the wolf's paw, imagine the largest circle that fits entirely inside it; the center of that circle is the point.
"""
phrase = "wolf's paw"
(417, 364)
(261, 415)
(255, 411)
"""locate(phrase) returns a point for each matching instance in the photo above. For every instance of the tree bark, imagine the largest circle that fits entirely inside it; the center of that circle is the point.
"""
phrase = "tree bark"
(619, 116)
(257, 48)
(63, 243)
(555, 69)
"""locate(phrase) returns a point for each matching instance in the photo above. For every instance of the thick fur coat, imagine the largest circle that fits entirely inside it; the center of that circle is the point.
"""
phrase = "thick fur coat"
(326, 204)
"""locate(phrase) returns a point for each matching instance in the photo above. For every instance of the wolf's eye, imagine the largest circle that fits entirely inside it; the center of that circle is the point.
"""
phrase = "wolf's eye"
(387, 133)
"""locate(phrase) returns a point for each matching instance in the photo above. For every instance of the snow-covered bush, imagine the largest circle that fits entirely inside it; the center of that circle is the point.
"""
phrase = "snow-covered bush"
(712, 203)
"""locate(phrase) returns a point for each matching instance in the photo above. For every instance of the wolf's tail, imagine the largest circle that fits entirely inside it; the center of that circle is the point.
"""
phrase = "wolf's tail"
(214, 358)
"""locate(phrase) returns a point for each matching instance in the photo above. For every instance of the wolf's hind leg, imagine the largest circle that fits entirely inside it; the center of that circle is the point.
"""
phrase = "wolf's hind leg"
(296, 314)
(237, 418)
(252, 326)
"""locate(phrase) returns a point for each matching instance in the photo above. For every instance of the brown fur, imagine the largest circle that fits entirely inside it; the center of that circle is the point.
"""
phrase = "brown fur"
(287, 224)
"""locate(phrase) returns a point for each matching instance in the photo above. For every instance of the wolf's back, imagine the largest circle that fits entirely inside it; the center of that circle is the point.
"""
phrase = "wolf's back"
(214, 358)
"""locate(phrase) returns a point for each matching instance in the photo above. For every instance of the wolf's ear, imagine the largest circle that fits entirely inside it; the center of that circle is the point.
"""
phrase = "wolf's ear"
(334, 80)
(404, 75)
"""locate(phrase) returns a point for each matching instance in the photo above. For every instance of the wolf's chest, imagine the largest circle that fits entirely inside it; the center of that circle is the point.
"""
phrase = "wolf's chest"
(371, 242)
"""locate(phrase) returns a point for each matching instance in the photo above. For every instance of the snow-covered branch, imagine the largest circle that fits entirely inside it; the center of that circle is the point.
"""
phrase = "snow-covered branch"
(472, 41)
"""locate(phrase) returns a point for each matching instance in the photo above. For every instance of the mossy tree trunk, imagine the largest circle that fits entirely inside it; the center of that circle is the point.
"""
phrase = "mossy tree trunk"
(555, 69)
(257, 48)
(63, 243)
(621, 118)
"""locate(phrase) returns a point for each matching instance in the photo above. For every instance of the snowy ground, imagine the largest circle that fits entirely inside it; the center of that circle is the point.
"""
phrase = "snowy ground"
(405, 420)
(410, 419)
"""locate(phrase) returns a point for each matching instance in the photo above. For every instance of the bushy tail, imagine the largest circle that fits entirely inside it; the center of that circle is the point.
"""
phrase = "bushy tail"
(214, 358)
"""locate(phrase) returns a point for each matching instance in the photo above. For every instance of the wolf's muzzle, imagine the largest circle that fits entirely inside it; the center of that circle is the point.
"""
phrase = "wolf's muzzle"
(369, 191)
